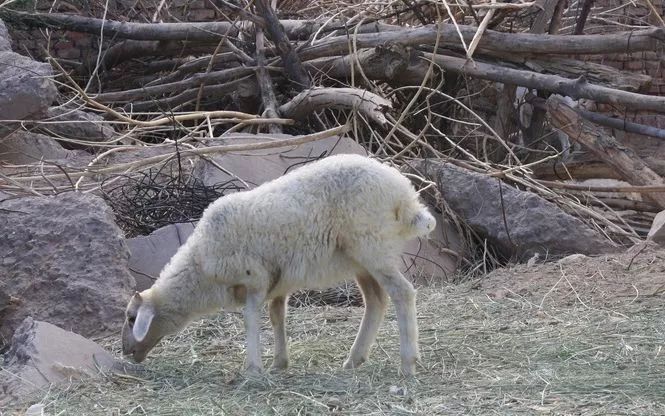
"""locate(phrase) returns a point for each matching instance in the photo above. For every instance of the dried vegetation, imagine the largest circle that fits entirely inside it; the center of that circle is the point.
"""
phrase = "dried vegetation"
(584, 336)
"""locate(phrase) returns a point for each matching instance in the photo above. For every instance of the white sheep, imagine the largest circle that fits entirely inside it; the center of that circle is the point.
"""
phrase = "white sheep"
(342, 217)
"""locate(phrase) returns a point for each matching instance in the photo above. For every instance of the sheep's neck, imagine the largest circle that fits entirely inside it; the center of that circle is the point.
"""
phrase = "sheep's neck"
(186, 293)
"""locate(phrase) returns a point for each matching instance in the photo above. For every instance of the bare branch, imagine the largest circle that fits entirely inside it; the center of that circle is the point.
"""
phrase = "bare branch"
(629, 165)
(621, 42)
(575, 88)
(292, 66)
(371, 105)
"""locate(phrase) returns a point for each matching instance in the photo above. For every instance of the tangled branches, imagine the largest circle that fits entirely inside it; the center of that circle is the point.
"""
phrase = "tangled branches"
(153, 199)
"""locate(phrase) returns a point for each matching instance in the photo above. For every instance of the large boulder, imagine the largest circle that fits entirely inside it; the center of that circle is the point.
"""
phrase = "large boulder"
(517, 223)
(26, 87)
(64, 261)
(42, 354)
(71, 123)
(23, 147)
(150, 253)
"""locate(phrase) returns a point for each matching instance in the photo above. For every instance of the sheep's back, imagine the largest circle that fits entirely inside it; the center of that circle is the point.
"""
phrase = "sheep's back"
(300, 221)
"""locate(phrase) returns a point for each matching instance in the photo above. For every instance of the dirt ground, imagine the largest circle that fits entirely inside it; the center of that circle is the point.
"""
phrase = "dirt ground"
(582, 336)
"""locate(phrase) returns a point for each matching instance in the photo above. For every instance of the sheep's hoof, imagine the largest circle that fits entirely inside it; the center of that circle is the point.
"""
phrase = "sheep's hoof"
(353, 362)
(409, 371)
(409, 367)
(254, 370)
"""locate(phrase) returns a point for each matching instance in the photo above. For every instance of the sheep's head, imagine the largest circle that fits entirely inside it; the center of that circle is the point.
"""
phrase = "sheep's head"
(145, 325)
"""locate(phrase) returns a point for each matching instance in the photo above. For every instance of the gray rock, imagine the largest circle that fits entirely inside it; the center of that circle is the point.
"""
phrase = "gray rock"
(532, 224)
(22, 147)
(26, 89)
(5, 39)
(76, 124)
(42, 354)
(150, 253)
(657, 231)
(432, 259)
(257, 167)
(64, 261)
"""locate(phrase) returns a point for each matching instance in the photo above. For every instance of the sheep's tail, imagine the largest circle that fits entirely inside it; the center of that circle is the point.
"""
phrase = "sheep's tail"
(415, 219)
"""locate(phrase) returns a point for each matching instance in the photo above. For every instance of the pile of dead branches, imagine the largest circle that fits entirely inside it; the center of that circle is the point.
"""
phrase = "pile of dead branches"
(407, 79)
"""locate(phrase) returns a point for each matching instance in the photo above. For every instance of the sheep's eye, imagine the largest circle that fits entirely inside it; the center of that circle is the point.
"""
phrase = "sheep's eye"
(131, 320)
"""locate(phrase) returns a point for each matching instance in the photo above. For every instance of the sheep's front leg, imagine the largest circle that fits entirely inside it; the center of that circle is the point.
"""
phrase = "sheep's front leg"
(375, 306)
(252, 313)
(403, 295)
(278, 320)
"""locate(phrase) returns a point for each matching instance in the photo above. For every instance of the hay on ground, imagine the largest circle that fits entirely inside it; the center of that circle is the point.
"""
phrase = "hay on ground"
(569, 348)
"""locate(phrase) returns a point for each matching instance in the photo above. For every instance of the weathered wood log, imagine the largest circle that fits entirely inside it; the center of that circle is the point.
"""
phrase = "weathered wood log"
(520, 43)
(541, 24)
(159, 90)
(594, 188)
(221, 61)
(133, 49)
(626, 204)
(265, 83)
(583, 16)
(587, 167)
(395, 64)
(580, 170)
(620, 124)
(594, 72)
(173, 102)
(621, 42)
(575, 88)
(544, 22)
(603, 120)
(292, 65)
(190, 31)
(629, 165)
(367, 103)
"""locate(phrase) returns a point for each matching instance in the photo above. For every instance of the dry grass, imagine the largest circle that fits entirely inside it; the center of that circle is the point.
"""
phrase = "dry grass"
(480, 355)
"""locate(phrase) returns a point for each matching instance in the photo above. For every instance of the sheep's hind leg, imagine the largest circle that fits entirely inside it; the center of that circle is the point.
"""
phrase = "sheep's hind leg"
(403, 295)
(375, 299)
(278, 320)
(251, 314)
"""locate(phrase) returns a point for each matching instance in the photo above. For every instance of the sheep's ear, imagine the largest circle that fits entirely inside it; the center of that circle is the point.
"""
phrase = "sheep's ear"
(143, 320)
